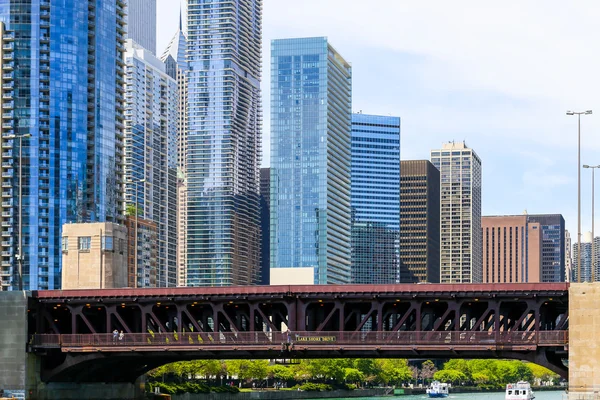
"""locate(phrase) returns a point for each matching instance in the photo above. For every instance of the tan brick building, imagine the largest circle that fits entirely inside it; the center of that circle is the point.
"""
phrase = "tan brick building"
(94, 256)
(512, 249)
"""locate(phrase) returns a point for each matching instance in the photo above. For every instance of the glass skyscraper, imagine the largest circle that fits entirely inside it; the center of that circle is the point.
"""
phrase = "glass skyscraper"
(311, 107)
(63, 98)
(553, 246)
(375, 198)
(141, 23)
(223, 141)
(151, 154)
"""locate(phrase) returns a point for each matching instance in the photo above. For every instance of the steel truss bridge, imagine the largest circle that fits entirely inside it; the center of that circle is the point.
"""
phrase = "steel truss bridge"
(71, 330)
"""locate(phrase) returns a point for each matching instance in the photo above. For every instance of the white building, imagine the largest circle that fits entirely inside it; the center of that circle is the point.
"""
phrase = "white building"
(461, 258)
(151, 151)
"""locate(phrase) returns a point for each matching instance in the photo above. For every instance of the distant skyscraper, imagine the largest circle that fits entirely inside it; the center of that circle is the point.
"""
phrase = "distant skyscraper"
(224, 142)
(141, 23)
(586, 258)
(460, 213)
(512, 249)
(177, 68)
(375, 198)
(553, 246)
(311, 107)
(419, 222)
(568, 257)
(63, 93)
(151, 153)
(265, 218)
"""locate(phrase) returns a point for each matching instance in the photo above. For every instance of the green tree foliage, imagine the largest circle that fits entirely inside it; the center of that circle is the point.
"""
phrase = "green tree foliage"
(280, 372)
(450, 376)
(485, 373)
(394, 371)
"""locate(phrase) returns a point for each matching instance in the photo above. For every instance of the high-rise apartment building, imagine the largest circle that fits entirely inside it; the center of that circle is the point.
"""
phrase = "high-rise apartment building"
(223, 141)
(177, 68)
(142, 254)
(568, 257)
(151, 153)
(375, 198)
(141, 23)
(311, 108)
(553, 246)
(265, 220)
(512, 249)
(63, 114)
(586, 258)
(460, 213)
(419, 222)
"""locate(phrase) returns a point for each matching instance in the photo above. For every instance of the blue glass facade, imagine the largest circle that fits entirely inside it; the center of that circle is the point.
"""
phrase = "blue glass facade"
(311, 106)
(223, 142)
(68, 80)
(375, 198)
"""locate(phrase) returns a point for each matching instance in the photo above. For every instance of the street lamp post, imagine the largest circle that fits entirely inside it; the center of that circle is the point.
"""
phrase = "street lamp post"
(20, 254)
(578, 113)
(593, 167)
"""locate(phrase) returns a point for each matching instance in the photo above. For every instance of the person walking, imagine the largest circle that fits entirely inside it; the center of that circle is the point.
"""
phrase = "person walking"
(121, 335)
(115, 335)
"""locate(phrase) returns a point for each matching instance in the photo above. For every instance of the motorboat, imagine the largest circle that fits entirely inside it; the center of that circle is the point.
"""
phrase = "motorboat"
(519, 391)
(438, 390)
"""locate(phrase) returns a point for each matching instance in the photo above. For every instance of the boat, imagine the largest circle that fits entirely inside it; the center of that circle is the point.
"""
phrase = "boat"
(519, 391)
(438, 390)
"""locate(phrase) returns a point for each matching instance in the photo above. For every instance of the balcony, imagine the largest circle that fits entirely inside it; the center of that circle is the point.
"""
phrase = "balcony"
(8, 56)
(8, 46)
(8, 66)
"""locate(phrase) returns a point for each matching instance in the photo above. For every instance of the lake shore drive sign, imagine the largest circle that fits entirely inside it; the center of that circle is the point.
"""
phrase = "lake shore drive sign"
(315, 338)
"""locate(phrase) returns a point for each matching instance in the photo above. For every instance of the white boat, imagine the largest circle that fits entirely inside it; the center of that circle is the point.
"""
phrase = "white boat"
(519, 391)
(438, 390)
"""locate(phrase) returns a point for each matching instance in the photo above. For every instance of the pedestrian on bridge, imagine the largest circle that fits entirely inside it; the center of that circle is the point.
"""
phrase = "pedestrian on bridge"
(115, 335)
(121, 335)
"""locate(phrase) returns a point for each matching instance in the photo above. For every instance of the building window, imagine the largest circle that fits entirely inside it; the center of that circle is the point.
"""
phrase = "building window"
(85, 243)
(65, 244)
(107, 243)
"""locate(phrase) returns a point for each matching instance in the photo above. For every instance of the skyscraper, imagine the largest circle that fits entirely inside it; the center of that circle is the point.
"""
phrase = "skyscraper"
(460, 213)
(586, 257)
(177, 68)
(311, 107)
(512, 249)
(568, 257)
(141, 23)
(151, 153)
(419, 222)
(265, 218)
(223, 141)
(553, 246)
(375, 198)
(63, 101)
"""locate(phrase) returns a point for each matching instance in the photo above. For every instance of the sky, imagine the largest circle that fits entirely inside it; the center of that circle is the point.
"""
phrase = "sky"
(498, 75)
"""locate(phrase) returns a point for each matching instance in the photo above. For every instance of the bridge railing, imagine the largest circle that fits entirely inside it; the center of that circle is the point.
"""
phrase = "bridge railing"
(312, 339)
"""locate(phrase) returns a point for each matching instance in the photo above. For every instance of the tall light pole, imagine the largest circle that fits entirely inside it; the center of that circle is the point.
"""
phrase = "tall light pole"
(135, 239)
(593, 167)
(20, 254)
(578, 113)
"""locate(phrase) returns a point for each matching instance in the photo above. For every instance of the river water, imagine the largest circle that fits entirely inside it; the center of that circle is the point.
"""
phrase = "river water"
(559, 395)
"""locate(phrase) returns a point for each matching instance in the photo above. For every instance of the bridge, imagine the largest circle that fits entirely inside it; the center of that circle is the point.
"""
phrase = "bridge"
(71, 330)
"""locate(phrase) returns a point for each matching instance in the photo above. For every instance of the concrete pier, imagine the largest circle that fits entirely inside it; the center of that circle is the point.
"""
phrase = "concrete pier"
(13, 342)
(584, 341)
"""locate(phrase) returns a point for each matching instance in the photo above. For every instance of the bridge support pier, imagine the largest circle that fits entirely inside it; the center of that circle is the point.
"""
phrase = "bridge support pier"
(584, 340)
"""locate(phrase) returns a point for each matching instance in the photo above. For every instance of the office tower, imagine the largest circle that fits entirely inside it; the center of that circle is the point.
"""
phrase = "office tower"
(568, 257)
(553, 246)
(512, 249)
(311, 108)
(141, 23)
(224, 142)
(586, 258)
(63, 101)
(419, 222)
(375, 198)
(177, 68)
(460, 213)
(151, 154)
(265, 218)
(94, 256)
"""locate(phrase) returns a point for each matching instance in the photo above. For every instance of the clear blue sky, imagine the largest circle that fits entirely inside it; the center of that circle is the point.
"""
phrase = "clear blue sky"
(499, 75)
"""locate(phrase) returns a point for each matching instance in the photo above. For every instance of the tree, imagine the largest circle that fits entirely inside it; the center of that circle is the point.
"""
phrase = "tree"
(353, 375)
(394, 371)
(132, 210)
(428, 369)
(542, 374)
(280, 372)
(449, 375)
